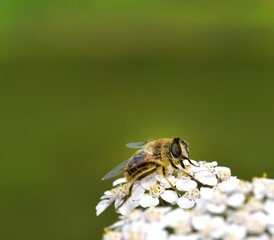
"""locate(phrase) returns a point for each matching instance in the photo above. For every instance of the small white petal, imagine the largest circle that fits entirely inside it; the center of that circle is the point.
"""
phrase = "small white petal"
(223, 169)
(185, 203)
(256, 223)
(259, 190)
(223, 173)
(149, 201)
(170, 196)
(137, 192)
(244, 187)
(108, 192)
(254, 205)
(207, 166)
(216, 209)
(235, 232)
(175, 216)
(156, 214)
(206, 177)
(214, 227)
(259, 237)
(119, 181)
(156, 233)
(229, 185)
(206, 193)
(214, 163)
(219, 225)
(148, 181)
(236, 200)
(116, 225)
(185, 184)
(164, 181)
(269, 206)
(101, 206)
(200, 222)
(127, 206)
(109, 197)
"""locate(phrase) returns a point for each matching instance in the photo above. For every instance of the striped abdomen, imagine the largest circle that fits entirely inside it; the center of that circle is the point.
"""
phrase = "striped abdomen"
(141, 165)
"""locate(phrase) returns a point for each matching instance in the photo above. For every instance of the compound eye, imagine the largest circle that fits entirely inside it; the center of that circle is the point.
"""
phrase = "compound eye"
(176, 150)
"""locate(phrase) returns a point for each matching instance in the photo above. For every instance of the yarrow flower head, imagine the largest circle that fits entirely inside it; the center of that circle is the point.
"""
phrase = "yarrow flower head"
(202, 201)
(180, 187)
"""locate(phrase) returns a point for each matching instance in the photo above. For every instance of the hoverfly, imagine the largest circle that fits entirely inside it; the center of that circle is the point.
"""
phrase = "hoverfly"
(153, 156)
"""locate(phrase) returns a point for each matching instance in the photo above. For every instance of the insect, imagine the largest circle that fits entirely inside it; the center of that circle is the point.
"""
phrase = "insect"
(153, 156)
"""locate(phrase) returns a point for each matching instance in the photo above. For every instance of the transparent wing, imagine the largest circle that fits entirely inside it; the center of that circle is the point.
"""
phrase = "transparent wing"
(118, 170)
(136, 144)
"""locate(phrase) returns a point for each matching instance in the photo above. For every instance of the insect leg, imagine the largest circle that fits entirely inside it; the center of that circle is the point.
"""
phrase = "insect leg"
(190, 162)
(126, 197)
(131, 186)
(184, 170)
(172, 186)
(173, 165)
(183, 166)
(189, 175)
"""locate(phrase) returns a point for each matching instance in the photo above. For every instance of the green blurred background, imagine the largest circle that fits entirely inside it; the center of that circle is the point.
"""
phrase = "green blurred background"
(80, 79)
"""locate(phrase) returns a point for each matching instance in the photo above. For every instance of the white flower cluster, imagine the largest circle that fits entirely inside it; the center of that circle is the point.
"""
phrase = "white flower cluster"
(207, 203)
(157, 190)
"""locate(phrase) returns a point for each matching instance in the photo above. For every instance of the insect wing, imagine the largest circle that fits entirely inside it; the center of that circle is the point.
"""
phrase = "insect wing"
(118, 170)
(136, 144)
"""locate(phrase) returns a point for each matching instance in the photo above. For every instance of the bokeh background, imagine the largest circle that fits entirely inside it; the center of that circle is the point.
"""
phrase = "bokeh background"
(80, 79)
